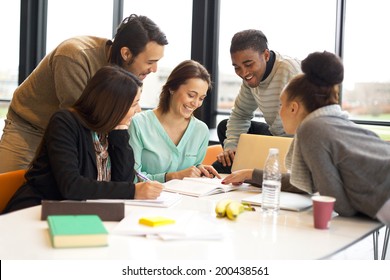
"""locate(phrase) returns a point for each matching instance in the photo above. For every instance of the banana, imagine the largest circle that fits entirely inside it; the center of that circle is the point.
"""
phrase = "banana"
(233, 209)
(220, 208)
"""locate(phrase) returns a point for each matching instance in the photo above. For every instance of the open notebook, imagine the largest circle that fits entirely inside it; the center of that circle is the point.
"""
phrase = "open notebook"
(198, 186)
(252, 151)
(288, 201)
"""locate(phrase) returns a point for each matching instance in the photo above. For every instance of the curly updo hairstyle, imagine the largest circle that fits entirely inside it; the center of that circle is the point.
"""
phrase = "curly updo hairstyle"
(318, 86)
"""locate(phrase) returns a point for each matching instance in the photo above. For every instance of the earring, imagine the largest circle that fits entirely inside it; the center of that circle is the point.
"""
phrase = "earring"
(171, 92)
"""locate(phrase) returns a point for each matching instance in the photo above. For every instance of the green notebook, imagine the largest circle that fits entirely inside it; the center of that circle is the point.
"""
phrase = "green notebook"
(68, 231)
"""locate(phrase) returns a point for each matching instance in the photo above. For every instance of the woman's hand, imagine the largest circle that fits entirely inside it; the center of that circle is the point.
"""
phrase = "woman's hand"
(238, 177)
(208, 171)
(148, 190)
(192, 171)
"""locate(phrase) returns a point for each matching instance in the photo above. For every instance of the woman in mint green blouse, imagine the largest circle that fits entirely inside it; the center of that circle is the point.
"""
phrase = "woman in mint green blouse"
(168, 141)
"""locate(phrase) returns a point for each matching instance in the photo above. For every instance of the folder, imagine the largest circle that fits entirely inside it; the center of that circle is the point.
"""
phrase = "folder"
(288, 201)
(114, 211)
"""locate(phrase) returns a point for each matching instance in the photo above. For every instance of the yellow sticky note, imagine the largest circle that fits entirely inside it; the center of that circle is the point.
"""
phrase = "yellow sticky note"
(156, 221)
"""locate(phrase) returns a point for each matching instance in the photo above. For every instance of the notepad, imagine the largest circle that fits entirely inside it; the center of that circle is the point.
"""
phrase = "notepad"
(288, 201)
(156, 221)
(202, 186)
(130, 224)
(188, 225)
(77, 231)
(165, 200)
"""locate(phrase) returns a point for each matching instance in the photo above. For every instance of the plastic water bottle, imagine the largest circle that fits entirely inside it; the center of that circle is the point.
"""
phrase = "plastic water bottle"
(272, 178)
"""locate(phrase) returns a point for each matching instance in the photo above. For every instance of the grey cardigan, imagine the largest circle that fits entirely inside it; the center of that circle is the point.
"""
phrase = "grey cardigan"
(334, 156)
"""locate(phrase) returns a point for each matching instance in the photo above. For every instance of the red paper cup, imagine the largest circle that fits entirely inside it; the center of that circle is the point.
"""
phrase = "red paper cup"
(322, 210)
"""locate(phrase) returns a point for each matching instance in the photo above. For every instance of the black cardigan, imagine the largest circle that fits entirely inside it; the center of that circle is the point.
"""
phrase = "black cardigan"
(65, 167)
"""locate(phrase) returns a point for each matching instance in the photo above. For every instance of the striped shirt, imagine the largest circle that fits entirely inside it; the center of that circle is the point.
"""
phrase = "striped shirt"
(264, 97)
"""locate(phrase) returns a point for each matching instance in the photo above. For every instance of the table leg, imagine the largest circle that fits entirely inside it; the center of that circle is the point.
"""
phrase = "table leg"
(375, 240)
(385, 242)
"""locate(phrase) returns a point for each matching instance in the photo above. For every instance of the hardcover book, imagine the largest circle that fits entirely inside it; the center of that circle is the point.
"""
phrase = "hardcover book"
(68, 231)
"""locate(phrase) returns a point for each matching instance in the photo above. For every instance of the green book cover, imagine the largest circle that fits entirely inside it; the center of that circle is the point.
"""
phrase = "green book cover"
(77, 231)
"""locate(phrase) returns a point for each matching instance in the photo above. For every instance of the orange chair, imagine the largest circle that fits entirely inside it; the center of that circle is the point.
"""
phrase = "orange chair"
(211, 154)
(9, 183)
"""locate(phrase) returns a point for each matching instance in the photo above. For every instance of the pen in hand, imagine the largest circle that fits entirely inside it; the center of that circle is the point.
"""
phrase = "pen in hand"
(142, 177)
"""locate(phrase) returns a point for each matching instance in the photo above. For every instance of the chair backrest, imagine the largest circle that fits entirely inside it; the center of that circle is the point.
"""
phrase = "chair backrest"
(252, 150)
(9, 183)
(211, 154)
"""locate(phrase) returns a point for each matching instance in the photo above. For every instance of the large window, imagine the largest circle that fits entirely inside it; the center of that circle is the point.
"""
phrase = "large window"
(9, 55)
(174, 17)
(366, 87)
(71, 18)
(293, 28)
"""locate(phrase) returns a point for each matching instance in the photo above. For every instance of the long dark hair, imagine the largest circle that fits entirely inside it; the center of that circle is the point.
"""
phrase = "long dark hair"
(107, 98)
(188, 69)
(134, 33)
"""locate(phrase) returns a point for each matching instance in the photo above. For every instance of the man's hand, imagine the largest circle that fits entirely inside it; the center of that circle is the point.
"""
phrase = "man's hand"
(226, 157)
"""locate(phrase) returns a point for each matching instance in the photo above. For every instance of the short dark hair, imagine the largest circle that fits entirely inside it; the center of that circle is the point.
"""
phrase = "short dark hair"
(134, 33)
(107, 98)
(249, 39)
(187, 69)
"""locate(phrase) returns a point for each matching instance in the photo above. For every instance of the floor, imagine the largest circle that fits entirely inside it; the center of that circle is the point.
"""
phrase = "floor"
(363, 250)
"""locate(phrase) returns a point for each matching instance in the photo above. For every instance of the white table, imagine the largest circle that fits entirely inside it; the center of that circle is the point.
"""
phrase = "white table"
(252, 236)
